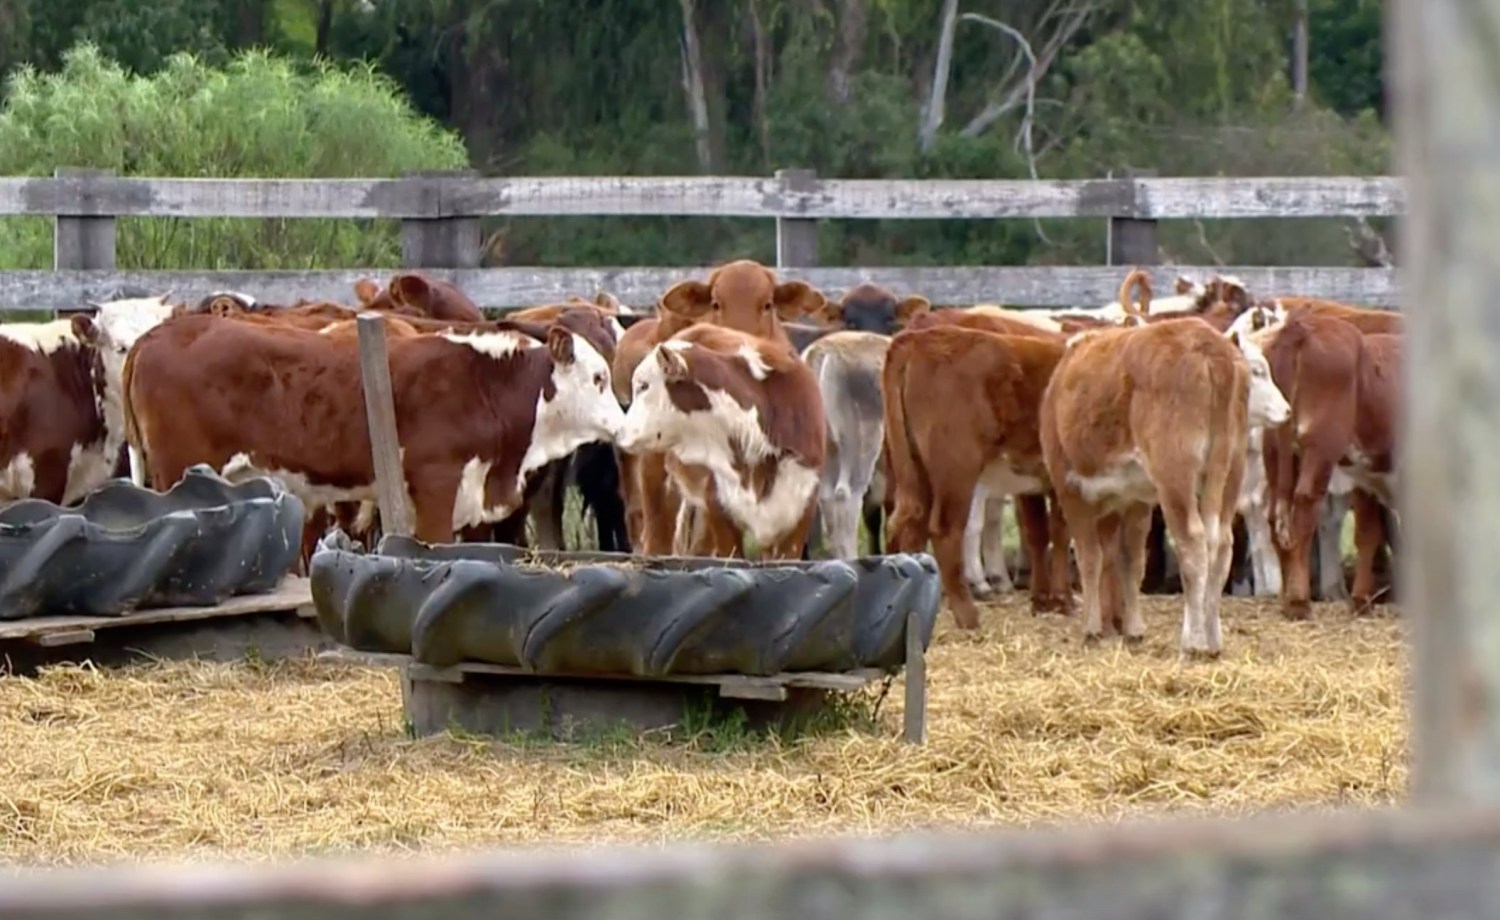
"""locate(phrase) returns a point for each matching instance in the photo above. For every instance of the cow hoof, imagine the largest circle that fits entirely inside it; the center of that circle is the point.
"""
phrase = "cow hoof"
(1001, 586)
(1297, 610)
(980, 589)
(1133, 641)
(1200, 654)
(1092, 639)
(1362, 606)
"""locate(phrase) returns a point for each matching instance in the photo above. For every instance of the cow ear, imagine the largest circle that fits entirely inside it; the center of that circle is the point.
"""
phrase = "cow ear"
(831, 313)
(608, 303)
(85, 328)
(673, 363)
(560, 345)
(1234, 339)
(410, 290)
(1183, 285)
(912, 307)
(366, 290)
(796, 299)
(688, 299)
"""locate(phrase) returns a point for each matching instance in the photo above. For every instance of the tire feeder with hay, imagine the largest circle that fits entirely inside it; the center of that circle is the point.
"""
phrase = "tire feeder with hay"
(126, 555)
(485, 631)
(492, 638)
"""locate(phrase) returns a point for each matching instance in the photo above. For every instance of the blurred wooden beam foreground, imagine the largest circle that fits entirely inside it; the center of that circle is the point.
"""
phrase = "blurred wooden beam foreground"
(1434, 860)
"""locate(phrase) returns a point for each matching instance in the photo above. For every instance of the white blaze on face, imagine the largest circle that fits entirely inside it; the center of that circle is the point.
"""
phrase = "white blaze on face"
(1268, 407)
(582, 409)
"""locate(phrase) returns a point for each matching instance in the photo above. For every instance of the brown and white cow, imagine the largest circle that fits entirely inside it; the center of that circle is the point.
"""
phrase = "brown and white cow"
(1344, 390)
(742, 295)
(62, 428)
(746, 411)
(476, 413)
(1155, 414)
(961, 409)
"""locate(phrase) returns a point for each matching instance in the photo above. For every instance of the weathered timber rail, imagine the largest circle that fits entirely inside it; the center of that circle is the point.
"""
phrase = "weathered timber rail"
(440, 216)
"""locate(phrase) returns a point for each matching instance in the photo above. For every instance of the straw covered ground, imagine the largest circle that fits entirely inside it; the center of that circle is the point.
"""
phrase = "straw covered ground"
(254, 760)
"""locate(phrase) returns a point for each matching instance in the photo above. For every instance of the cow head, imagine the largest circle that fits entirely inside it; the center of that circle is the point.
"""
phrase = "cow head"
(1268, 407)
(743, 295)
(580, 404)
(871, 308)
(1226, 289)
(655, 421)
(117, 324)
(1263, 314)
(416, 293)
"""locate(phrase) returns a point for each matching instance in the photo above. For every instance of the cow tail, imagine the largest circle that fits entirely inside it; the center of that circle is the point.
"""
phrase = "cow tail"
(907, 477)
(136, 444)
(1140, 281)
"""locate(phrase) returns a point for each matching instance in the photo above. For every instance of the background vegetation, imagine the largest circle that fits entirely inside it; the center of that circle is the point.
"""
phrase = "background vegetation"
(1055, 88)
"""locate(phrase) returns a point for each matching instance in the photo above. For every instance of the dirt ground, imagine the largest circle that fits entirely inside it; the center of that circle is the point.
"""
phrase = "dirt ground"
(1026, 726)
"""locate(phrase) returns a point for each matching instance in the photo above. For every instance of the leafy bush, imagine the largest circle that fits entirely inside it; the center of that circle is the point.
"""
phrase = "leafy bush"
(260, 116)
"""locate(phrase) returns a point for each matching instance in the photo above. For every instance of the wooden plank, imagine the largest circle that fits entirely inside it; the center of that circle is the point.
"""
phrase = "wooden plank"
(796, 237)
(71, 637)
(446, 242)
(396, 516)
(843, 681)
(295, 593)
(914, 727)
(171, 197)
(1448, 103)
(713, 196)
(1046, 286)
(1382, 864)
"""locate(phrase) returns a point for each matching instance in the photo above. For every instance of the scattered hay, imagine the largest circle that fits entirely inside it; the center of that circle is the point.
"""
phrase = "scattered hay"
(257, 761)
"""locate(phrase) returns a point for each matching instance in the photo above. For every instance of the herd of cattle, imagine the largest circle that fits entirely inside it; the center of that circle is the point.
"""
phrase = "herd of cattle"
(754, 415)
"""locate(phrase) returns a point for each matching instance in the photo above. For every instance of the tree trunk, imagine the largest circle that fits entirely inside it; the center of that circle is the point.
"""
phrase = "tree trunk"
(933, 117)
(853, 24)
(693, 84)
(762, 83)
(1299, 55)
(324, 28)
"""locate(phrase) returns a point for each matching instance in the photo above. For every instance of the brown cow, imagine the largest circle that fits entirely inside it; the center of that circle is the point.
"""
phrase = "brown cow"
(1155, 414)
(1344, 390)
(961, 412)
(746, 411)
(742, 295)
(476, 413)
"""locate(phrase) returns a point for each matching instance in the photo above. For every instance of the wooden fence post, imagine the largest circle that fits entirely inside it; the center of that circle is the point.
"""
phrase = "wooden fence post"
(380, 414)
(796, 237)
(1447, 108)
(82, 243)
(440, 242)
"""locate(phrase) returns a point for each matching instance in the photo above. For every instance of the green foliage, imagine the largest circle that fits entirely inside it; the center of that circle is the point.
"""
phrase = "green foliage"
(258, 116)
(1347, 59)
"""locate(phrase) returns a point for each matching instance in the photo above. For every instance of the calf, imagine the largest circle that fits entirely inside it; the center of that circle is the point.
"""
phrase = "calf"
(1344, 392)
(476, 414)
(848, 365)
(414, 293)
(1156, 414)
(961, 409)
(745, 411)
(742, 295)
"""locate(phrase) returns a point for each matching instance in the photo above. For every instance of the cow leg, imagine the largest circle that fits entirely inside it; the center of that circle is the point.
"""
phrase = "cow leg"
(1031, 516)
(1135, 528)
(314, 526)
(1242, 564)
(432, 496)
(1155, 580)
(1059, 568)
(659, 501)
(789, 546)
(979, 586)
(722, 535)
(630, 498)
(1329, 543)
(1369, 536)
(548, 506)
(992, 547)
(1264, 560)
(1082, 527)
(839, 510)
(1111, 574)
(1295, 527)
(1179, 505)
(949, 518)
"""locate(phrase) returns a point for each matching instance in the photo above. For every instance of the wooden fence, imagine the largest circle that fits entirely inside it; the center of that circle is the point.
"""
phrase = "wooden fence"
(440, 218)
(1434, 859)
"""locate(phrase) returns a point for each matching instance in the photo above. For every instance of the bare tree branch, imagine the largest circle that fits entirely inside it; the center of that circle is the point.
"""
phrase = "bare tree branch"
(1207, 246)
(1369, 245)
(933, 118)
(1072, 21)
(1030, 86)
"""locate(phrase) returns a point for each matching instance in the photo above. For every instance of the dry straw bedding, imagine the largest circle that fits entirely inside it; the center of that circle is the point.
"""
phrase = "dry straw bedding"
(254, 761)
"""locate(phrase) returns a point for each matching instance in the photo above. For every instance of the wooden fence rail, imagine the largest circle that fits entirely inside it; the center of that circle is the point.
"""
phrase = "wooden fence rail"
(440, 215)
